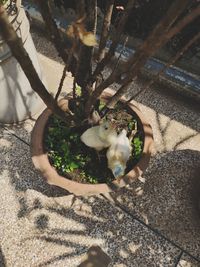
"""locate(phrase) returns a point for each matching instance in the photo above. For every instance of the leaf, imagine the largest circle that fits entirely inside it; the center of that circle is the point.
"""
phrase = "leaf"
(77, 30)
(89, 39)
(73, 165)
(101, 105)
(78, 90)
(2, 2)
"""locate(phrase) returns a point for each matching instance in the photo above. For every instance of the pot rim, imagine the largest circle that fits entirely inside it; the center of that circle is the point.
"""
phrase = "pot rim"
(41, 161)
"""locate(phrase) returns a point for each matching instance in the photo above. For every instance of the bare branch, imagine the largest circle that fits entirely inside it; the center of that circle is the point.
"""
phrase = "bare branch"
(92, 99)
(18, 51)
(167, 65)
(155, 40)
(85, 59)
(105, 29)
(72, 50)
(61, 82)
(107, 58)
(183, 22)
(118, 94)
(120, 54)
(115, 41)
(52, 28)
(158, 37)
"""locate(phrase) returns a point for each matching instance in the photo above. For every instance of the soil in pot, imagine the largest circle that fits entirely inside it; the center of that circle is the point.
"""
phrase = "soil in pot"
(74, 160)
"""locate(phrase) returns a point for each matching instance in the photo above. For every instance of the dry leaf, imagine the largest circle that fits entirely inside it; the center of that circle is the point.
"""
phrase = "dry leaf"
(89, 39)
(77, 30)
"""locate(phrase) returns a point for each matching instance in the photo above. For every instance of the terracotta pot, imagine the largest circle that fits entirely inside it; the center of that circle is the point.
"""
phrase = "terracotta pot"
(41, 162)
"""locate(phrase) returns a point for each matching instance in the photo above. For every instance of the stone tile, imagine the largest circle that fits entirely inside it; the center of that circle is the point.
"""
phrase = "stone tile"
(169, 198)
(41, 225)
(187, 261)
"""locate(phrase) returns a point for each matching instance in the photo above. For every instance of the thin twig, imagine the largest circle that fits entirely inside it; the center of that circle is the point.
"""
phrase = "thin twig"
(71, 52)
(100, 66)
(52, 29)
(115, 41)
(105, 29)
(120, 55)
(74, 88)
(133, 66)
(61, 82)
(167, 65)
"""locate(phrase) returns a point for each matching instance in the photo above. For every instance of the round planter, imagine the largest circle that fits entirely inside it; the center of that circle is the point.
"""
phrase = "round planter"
(17, 99)
(41, 162)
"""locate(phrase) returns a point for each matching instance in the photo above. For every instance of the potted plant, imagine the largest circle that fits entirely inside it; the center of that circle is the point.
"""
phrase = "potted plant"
(95, 140)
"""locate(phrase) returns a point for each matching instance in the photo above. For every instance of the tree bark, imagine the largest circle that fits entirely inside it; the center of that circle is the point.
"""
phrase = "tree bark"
(105, 29)
(18, 51)
(85, 59)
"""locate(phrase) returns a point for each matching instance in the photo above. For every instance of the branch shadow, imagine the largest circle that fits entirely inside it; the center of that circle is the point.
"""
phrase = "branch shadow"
(162, 99)
(91, 215)
(98, 228)
(2, 259)
(169, 200)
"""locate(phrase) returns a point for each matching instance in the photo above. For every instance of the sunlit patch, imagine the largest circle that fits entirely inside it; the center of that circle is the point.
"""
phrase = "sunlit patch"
(5, 143)
(139, 191)
(134, 247)
(123, 253)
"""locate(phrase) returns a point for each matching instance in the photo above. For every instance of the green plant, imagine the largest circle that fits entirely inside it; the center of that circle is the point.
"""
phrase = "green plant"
(137, 144)
(72, 158)
(2, 2)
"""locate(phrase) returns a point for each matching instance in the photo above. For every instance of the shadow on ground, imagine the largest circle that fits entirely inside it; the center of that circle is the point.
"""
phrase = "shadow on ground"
(169, 199)
(55, 228)
(2, 259)
(61, 227)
